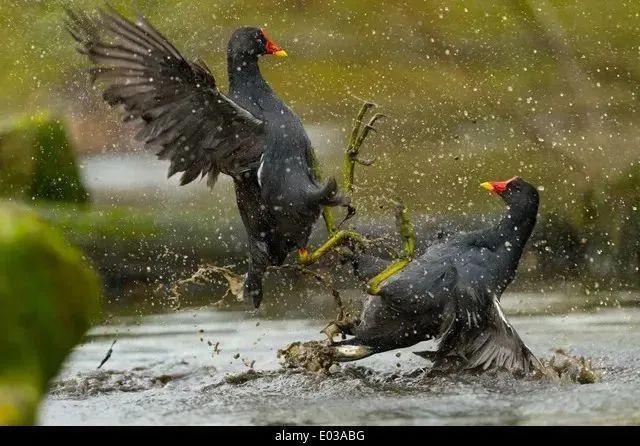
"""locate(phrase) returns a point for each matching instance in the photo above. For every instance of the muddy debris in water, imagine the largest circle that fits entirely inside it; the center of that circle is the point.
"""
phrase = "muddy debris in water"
(243, 377)
(313, 356)
(163, 380)
(205, 275)
(318, 357)
(565, 368)
(107, 381)
(249, 362)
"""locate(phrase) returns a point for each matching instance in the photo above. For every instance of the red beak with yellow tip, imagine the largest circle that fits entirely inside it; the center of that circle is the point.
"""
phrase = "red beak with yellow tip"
(497, 186)
(273, 48)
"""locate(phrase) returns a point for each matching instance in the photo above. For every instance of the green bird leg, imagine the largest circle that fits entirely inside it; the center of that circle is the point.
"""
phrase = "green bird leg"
(329, 221)
(407, 233)
(336, 239)
(337, 236)
(356, 140)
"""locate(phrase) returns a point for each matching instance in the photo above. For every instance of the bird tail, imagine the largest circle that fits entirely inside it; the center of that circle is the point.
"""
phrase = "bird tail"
(482, 340)
(328, 195)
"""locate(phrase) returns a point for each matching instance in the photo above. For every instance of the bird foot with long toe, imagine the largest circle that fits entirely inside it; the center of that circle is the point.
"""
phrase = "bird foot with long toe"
(358, 135)
(336, 239)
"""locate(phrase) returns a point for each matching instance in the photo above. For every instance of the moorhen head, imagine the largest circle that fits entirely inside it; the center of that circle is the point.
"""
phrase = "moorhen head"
(249, 43)
(520, 196)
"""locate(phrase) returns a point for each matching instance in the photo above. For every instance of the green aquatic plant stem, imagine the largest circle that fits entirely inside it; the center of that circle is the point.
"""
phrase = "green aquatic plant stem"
(407, 233)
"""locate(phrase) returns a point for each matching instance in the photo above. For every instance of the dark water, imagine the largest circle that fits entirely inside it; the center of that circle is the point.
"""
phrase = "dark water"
(163, 371)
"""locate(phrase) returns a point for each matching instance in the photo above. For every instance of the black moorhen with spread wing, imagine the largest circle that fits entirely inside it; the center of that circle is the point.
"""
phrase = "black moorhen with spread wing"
(452, 292)
(249, 134)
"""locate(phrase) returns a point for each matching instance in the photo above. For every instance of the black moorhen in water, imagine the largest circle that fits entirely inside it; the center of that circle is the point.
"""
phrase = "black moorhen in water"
(452, 292)
(249, 134)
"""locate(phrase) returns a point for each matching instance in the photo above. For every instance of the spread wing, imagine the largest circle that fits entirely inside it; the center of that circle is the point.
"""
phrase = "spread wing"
(481, 334)
(174, 103)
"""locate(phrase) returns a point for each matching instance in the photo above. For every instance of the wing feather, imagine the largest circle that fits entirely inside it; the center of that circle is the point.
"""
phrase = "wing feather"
(174, 103)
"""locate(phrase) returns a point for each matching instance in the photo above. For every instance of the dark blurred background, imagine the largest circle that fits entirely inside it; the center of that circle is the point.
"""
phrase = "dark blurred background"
(473, 91)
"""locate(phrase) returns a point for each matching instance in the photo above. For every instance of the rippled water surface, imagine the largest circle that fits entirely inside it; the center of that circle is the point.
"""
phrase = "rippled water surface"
(165, 370)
